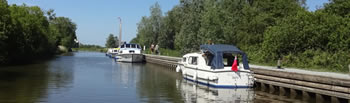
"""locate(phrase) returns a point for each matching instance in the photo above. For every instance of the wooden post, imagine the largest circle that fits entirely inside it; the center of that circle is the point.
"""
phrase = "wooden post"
(271, 88)
(306, 95)
(263, 87)
(293, 93)
(319, 98)
(282, 91)
(334, 100)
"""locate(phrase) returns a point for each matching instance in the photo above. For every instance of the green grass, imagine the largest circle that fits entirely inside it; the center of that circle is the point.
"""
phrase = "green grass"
(166, 52)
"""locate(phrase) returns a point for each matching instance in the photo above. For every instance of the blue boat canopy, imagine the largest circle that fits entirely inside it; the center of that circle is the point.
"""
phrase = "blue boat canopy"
(218, 51)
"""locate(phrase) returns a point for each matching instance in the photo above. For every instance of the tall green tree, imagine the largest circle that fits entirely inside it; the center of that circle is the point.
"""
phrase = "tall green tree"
(26, 33)
(5, 22)
(111, 41)
(63, 31)
(188, 39)
(149, 28)
(338, 7)
(170, 26)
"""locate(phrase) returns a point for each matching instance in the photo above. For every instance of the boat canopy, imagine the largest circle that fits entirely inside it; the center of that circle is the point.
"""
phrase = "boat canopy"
(218, 51)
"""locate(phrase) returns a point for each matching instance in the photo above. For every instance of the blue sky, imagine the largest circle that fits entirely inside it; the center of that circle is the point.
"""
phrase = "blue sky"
(96, 19)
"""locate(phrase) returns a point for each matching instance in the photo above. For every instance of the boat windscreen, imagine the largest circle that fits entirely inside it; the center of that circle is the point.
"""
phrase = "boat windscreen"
(133, 46)
(122, 46)
(127, 46)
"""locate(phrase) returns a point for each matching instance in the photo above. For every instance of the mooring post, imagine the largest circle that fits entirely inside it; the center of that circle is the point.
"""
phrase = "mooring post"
(271, 88)
(282, 91)
(319, 98)
(306, 95)
(293, 93)
(334, 100)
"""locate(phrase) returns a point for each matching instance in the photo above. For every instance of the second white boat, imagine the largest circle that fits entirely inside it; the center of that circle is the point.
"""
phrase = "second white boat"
(129, 53)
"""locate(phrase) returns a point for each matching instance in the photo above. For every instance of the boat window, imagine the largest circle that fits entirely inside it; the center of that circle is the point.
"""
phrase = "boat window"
(193, 60)
(184, 59)
(138, 46)
(122, 46)
(115, 51)
(228, 59)
(127, 46)
(208, 57)
(133, 46)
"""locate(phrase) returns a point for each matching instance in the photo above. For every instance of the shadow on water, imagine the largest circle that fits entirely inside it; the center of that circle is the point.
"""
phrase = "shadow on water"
(30, 83)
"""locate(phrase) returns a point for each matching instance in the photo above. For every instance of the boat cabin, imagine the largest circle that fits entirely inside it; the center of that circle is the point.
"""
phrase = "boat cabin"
(130, 48)
(215, 57)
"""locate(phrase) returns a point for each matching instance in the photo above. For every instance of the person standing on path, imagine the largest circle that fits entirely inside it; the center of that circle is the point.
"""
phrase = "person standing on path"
(152, 48)
(156, 49)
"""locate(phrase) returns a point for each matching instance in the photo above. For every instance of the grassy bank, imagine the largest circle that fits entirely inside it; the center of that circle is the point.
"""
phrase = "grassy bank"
(90, 49)
(166, 52)
(301, 61)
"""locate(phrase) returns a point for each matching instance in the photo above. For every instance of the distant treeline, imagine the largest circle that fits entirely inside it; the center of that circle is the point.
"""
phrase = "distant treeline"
(28, 33)
(89, 46)
(267, 30)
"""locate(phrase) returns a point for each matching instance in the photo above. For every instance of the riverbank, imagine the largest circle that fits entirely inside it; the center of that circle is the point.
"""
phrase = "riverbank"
(284, 64)
(90, 49)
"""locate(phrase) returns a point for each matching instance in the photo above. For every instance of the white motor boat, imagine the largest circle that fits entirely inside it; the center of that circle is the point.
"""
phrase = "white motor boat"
(111, 52)
(129, 53)
(214, 65)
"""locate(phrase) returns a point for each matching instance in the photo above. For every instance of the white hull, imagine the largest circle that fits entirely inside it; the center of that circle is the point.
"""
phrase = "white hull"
(224, 78)
(129, 58)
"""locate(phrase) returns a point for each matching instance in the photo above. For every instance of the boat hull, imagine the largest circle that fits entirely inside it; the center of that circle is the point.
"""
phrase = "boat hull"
(132, 58)
(219, 79)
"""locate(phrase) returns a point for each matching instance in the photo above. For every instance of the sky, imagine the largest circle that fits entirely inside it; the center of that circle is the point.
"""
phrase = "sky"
(96, 19)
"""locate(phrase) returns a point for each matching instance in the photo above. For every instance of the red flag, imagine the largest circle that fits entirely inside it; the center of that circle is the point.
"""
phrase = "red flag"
(234, 65)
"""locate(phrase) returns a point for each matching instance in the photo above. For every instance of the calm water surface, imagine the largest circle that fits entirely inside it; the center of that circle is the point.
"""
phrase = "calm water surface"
(90, 77)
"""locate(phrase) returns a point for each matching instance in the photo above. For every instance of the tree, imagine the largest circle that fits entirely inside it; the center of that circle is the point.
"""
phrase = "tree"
(338, 7)
(63, 31)
(111, 42)
(4, 29)
(149, 28)
(26, 34)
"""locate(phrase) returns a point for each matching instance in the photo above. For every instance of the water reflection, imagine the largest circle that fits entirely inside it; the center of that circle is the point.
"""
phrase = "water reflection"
(158, 84)
(90, 77)
(30, 83)
(128, 74)
(203, 94)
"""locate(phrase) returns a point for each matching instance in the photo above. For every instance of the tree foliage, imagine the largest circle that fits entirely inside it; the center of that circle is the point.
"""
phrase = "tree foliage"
(267, 30)
(26, 33)
(112, 42)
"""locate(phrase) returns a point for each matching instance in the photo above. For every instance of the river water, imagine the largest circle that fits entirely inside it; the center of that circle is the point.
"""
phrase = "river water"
(91, 77)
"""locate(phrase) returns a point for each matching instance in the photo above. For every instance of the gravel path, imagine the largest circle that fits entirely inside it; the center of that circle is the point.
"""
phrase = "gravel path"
(295, 70)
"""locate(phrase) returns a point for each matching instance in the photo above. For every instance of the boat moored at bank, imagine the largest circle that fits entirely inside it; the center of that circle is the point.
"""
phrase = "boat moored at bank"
(129, 53)
(217, 66)
(112, 52)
